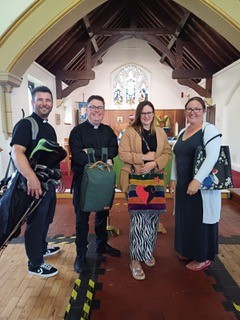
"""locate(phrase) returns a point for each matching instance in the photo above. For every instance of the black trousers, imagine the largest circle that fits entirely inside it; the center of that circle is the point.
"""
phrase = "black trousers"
(82, 226)
(37, 228)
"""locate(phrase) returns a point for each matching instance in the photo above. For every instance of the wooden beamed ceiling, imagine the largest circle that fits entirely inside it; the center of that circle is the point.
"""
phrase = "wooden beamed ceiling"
(185, 43)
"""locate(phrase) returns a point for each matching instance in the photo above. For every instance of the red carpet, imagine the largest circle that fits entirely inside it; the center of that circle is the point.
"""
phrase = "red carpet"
(236, 179)
(67, 179)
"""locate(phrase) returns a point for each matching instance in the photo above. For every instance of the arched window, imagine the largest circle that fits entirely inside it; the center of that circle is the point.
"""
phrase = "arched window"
(130, 85)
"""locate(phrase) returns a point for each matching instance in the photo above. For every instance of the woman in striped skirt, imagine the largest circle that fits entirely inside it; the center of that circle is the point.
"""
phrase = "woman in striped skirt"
(143, 148)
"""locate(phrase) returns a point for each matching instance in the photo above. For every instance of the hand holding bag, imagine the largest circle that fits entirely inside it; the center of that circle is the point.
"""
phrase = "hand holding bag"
(221, 175)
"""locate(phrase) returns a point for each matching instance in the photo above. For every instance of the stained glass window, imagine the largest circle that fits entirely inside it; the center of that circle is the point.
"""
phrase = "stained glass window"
(130, 85)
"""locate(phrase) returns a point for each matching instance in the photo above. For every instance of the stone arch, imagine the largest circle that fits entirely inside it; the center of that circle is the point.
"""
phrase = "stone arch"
(20, 48)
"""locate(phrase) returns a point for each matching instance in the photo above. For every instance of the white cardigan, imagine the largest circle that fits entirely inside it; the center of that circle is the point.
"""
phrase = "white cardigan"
(211, 198)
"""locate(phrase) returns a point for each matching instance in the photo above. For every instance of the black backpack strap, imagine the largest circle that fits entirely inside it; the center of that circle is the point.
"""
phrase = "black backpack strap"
(10, 162)
(7, 177)
(34, 125)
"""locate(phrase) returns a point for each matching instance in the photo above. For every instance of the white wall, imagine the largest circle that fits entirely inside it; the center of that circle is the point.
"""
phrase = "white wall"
(226, 96)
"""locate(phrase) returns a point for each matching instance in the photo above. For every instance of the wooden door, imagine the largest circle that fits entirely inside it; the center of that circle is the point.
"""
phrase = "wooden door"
(211, 114)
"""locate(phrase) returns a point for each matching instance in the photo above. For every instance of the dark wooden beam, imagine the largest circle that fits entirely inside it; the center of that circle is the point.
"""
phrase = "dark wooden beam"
(179, 54)
(191, 84)
(159, 45)
(133, 31)
(209, 88)
(91, 34)
(69, 56)
(132, 14)
(180, 73)
(74, 86)
(176, 33)
(59, 88)
(107, 44)
(109, 13)
(75, 75)
(191, 74)
(204, 92)
(88, 56)
(199, 55)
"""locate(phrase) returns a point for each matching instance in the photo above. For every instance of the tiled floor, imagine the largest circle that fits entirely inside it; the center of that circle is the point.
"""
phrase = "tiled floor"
(107, 291)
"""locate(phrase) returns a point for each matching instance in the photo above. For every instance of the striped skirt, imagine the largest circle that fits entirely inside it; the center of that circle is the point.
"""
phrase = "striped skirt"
(143, 234)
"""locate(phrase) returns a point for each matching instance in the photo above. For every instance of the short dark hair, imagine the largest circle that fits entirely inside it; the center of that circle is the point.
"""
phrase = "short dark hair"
(200, 100)
(41, 89)
(96, 97)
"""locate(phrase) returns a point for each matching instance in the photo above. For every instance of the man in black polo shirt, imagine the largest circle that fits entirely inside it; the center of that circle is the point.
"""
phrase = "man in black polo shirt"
(39, 221)
(90, 134)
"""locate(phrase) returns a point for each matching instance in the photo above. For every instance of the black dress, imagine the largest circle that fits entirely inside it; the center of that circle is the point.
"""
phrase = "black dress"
(193, 238)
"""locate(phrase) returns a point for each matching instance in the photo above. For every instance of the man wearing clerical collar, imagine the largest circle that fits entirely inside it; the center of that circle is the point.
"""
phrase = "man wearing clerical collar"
(90, 134)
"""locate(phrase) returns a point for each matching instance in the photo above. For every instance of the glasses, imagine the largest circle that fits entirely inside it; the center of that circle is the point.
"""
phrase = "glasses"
(95, 108)
(195, 110)
(146, 114)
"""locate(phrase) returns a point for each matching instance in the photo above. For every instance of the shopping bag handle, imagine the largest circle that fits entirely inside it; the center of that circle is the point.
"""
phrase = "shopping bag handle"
(104, 154)
(218, 135)
(91, 155)
(98, 164)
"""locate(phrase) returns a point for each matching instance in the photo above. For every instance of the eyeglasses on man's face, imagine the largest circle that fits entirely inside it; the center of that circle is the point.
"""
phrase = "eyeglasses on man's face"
(95, 108)
(143, 114)
(195, 110)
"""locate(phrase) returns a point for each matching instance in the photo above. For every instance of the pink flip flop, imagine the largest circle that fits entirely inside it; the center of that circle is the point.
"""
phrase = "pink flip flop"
(204, 265)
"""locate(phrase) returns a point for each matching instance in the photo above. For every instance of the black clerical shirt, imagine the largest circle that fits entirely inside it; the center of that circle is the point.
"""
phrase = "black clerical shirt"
(85, 136)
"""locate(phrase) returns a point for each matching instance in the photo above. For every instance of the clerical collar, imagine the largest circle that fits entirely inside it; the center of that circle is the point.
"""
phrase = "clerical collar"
(94, 127)
(45, 120)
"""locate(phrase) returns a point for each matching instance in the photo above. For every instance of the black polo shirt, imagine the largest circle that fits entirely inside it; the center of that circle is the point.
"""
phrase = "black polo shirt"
(22, 133)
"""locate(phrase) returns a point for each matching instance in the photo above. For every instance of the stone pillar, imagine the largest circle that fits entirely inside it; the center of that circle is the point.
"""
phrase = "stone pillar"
(7, 82)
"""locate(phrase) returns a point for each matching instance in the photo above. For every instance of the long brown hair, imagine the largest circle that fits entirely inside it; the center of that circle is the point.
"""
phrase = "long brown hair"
(137, 120)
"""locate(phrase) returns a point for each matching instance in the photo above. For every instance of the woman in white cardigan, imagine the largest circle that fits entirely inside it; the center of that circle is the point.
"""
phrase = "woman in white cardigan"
(197, 212)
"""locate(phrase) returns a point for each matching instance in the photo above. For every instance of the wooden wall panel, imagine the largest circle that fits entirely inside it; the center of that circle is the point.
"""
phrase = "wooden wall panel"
(175, 115)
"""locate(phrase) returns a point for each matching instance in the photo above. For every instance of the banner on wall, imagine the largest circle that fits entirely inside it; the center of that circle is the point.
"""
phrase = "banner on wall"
(82, 108)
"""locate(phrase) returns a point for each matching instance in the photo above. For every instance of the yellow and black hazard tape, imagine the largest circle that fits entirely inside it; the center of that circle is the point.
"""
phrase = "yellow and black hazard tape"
(87, 299)
(73, 296)
(52, 240)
